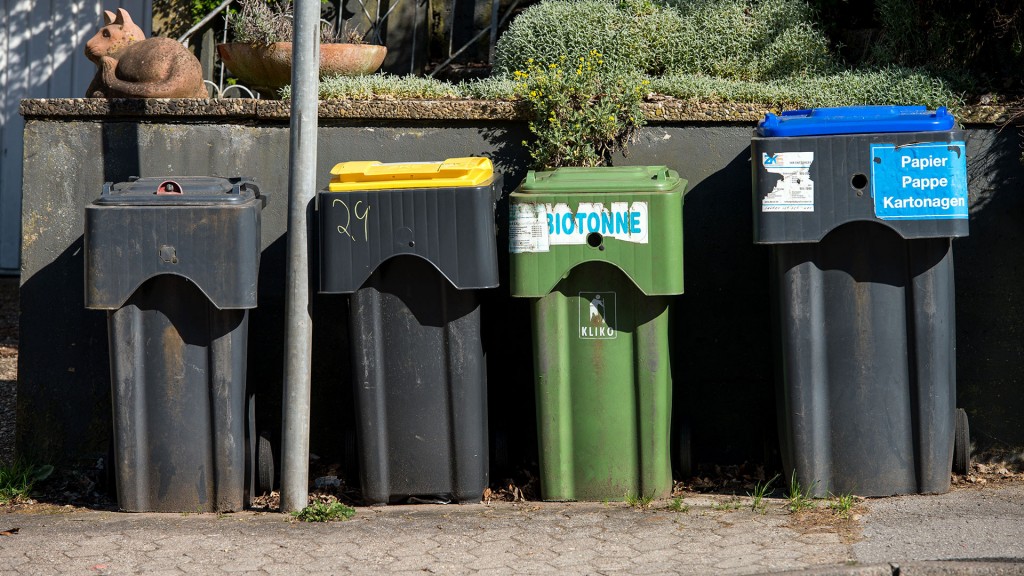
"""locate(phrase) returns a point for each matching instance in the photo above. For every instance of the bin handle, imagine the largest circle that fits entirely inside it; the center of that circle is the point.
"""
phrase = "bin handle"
(168, 187)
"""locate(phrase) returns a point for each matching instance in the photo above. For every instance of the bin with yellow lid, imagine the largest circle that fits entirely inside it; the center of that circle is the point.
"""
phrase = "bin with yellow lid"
(413, 243)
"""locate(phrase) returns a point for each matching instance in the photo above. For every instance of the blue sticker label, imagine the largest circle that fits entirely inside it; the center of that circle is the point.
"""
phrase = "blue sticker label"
(925, 181)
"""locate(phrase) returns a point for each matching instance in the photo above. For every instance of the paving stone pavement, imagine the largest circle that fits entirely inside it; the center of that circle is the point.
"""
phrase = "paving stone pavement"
(712, 537)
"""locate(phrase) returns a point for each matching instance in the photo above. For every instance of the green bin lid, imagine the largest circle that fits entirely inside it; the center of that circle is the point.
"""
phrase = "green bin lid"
(601, 179)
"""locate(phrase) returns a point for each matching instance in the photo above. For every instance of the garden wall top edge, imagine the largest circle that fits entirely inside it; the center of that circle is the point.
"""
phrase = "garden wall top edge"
(664, 110)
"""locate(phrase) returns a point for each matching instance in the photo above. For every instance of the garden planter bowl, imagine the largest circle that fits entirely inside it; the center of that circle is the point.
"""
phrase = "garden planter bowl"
(269, 68)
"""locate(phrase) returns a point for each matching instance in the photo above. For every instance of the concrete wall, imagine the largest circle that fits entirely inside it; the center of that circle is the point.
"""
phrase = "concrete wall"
(724, 391)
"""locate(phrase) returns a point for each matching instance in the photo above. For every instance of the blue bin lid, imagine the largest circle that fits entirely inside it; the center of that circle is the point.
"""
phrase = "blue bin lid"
(855, 120)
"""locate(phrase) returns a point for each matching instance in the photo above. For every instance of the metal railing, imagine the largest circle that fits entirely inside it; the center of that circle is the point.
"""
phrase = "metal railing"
(218, 88)
(377, 13)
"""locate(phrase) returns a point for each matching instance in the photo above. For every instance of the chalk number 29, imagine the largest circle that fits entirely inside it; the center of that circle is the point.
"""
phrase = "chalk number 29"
(349, 213)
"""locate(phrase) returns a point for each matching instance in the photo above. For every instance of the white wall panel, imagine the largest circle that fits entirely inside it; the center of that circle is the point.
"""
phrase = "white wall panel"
(42, 45)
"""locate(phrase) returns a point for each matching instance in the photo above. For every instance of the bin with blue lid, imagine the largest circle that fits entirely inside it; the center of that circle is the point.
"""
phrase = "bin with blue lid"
(859, 206)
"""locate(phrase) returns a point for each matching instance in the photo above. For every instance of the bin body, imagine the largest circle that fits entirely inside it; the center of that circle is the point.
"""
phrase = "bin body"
(863, 296)
(413, 265)
(600, 290)
(177, 274)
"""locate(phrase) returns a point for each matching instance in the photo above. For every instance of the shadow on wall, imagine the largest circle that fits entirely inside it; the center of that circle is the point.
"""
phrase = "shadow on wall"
(63, 388)
(507, 332)
(74, 368)
(989, 277)
(723, 398)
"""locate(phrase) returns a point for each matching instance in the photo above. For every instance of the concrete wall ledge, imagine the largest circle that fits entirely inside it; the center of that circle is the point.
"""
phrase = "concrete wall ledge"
(662, 109)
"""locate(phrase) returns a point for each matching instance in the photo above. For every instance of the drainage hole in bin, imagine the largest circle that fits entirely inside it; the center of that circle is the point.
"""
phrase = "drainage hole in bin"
(595, 240)
(859, 181)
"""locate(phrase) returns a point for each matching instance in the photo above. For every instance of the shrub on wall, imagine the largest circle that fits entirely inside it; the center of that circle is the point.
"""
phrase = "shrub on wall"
(740, 39)
(581, 111)
(632, 35)
(748, 40)
(979, 44)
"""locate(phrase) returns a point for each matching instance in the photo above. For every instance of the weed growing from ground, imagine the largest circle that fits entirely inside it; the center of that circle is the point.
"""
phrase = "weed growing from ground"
(677, 505)
(324, 512)
(17, 479)
(842, 504)
(799, 499)
(757, 503)
(640, 501)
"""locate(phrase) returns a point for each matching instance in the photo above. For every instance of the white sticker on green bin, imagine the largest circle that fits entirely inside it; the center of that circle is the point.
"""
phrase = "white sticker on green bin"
(537, 227)
(597, 315)
(794, 190)
(925, 181)
(527, 228)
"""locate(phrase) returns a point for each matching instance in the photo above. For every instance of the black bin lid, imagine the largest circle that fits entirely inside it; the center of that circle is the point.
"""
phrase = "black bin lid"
(179, 191)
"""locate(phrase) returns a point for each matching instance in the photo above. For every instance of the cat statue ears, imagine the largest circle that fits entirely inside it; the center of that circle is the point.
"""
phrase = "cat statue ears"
(122, 18)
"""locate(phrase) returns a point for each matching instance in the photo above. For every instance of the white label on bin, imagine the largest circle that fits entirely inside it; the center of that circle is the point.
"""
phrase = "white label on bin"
(537, 227)
(527, 228)
(597, 315)
(794, 191)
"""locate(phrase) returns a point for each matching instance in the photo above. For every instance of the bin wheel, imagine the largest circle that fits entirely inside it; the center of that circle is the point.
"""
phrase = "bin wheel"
(264, 464)
(961, 443)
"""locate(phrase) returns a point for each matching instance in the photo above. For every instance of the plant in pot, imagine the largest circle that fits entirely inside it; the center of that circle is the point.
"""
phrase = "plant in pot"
(261, 54)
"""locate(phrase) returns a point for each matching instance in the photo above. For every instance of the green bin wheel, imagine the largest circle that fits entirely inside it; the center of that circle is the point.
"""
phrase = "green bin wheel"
(961, 443)
(264, 464)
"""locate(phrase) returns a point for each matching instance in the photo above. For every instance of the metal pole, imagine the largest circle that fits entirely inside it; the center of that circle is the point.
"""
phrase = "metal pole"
(298, 321)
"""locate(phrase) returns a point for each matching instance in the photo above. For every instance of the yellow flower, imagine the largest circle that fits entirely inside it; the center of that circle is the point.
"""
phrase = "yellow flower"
(533, 93)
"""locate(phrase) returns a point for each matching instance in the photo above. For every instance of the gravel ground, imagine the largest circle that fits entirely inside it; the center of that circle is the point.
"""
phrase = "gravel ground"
(8, 364)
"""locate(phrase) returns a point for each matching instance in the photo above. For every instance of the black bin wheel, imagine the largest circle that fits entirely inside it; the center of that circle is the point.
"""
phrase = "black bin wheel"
(961, 443)
(264, 464)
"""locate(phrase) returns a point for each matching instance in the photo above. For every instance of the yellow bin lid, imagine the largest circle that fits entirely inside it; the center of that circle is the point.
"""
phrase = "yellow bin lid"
(453, 172)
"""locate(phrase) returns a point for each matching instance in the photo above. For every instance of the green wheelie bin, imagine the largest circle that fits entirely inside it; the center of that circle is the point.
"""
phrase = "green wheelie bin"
(599, 251)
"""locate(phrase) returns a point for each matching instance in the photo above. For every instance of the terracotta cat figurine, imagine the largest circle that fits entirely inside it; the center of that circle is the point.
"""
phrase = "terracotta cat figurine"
(132, 66)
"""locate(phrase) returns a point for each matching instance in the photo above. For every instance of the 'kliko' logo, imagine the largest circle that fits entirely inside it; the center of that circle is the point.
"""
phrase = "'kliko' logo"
(597, 315)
